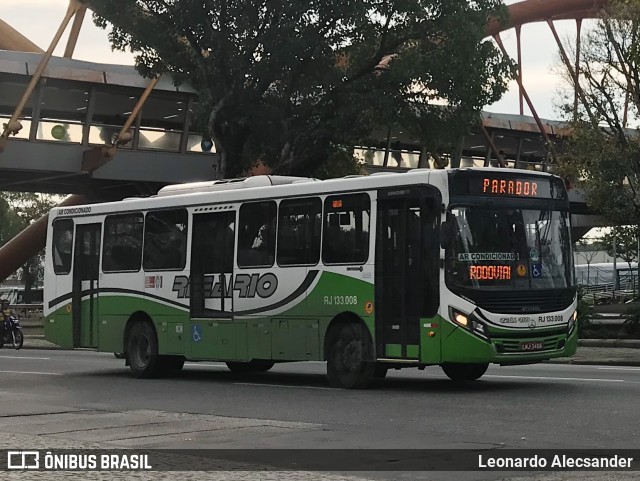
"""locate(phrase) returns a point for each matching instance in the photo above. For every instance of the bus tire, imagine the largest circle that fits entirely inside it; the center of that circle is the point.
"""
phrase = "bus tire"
(350, 362)
(142, 351)
(464, 371)
(255, 365)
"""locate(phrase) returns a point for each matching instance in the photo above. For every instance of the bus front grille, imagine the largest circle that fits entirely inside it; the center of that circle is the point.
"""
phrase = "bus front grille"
(509, 346)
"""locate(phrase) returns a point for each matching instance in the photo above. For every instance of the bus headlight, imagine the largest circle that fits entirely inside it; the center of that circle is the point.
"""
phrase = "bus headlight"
(459, 318)
(470, 322)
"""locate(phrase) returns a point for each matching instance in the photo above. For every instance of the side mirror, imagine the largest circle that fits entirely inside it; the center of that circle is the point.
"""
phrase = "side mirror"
(447, 233)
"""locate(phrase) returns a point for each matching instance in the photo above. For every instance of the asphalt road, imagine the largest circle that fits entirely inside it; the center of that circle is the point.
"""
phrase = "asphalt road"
(82, 398)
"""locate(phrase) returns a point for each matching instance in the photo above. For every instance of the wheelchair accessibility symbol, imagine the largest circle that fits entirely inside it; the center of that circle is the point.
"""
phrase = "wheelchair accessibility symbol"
(196, 333)
(536, 270)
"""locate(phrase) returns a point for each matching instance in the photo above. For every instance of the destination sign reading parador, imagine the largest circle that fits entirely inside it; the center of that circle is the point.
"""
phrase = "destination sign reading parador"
(515, 187)
(527, 187)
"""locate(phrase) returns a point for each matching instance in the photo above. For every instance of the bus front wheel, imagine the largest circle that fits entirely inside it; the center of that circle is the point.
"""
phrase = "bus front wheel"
(464, 371)
(142, 351)
(350, 358)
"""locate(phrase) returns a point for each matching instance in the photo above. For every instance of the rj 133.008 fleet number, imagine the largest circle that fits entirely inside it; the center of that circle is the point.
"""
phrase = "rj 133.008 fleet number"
(556, 318)
(340, 300)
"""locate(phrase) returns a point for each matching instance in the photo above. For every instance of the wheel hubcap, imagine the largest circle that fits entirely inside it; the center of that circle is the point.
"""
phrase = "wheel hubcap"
(351, 356)
(142, 351)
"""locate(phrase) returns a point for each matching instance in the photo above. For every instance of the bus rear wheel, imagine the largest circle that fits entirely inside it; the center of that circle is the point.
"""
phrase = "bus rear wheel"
(142, 351)
(350, 362)
(464, 371)
(255, 365)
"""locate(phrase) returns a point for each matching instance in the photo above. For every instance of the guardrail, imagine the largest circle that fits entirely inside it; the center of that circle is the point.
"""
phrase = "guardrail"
(605, 293)
(28, 312)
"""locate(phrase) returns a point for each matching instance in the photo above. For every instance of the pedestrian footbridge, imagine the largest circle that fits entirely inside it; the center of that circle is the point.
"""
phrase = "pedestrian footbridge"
(78, 107)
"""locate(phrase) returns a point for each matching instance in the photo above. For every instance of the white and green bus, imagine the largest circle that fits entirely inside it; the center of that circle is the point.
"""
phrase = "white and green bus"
(457, 268)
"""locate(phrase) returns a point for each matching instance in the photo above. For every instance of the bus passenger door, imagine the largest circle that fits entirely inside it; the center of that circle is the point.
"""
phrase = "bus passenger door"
(86, 283)
(211, 288)
(406, 266)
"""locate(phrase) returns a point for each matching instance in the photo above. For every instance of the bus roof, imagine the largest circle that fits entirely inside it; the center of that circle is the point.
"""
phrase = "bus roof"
(267, 187)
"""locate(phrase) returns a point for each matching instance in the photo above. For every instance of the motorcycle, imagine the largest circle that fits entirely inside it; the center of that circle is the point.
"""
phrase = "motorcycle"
(11, 332)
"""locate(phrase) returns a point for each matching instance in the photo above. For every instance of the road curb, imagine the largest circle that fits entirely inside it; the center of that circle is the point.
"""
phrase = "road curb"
(628, 343)
(45, 348)
(595, 362)
(53, 347)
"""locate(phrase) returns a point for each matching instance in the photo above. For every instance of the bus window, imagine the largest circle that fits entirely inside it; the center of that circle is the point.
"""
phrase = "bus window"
(299, 226)
(345, 239)
(62, 246)
(257, 235)
(122, 243)
(165, 240)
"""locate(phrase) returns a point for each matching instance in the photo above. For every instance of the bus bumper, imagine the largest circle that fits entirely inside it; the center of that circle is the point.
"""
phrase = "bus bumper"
(461, 346)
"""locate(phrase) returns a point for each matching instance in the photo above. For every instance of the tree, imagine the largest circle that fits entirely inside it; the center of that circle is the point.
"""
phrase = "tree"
(626, 245)
(17, 211)
(588, 250)
(288, 82)
(626, 240)
(602, 153)
(9, 221)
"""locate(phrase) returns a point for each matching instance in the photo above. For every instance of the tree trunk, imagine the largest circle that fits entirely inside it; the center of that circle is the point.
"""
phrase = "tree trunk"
(304, 154)
(228, 137)
(232, 163)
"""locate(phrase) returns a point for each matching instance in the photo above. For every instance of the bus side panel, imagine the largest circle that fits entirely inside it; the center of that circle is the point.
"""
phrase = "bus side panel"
(340, 290)
(277, 321)
(177, 335)
(171, 317)
(297, 333)
(111, 333)
(295, 339)
(222, 340)
(459, 345)
(431, 339)
(115, 310)
(58, 327)
(259, 339)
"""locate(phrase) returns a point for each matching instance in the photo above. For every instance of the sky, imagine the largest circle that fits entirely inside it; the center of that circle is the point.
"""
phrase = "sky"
(39, 19)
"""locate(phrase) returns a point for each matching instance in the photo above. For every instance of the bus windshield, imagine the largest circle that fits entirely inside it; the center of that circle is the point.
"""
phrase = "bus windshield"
(509, 248)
